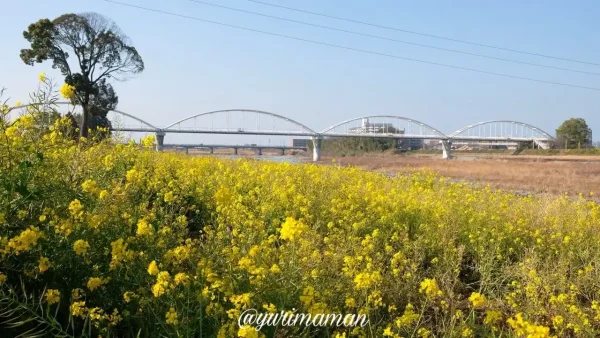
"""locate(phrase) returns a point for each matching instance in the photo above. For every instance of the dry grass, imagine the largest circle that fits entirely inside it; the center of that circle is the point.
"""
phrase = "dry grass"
(241, 152)
(522, 174)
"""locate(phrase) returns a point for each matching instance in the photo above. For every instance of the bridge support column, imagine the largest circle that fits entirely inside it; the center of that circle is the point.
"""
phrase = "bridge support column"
(235, 151)
(160, 140)
(317, 140)
(187, 150)
(259, 151)
(212, 150)
(446, 150)
(282, 151)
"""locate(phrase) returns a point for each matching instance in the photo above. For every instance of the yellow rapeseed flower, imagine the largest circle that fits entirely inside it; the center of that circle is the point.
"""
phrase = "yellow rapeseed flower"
(525, 328)
(477, 299)
(44, 264)
(163, 277)
(52, 296)
(148, 141)
(181, 278)
(76, 208)
(67, 91)
(492, 317)
(247, 331)
(103, 194)
(159, 289)
(81, 247)
(144, 228)
(25, 240)
(95, 313)
(77, 294)
(291, 229)
(96, 282)
(270, 308)
(127, 296)
(308, 295)
(467, 333)
(89, 186)
(275, 268)
(171, 317)
(133, 175)
(119, 253)
(78, 309)
(153, 268)
(365, 280)
(430, 288)
(162, 282)
(169, 197)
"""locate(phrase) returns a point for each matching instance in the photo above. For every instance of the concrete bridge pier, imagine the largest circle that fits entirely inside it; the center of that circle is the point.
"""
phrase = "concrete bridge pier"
(212, 150)
(187, 150)
(259, 151)
(160, 140)
(317, 140)
(235, 151)
(282, 152)
(446, 150)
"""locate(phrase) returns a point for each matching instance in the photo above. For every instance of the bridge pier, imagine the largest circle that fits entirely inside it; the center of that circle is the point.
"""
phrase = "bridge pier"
(235, 151)
(160, 140)
(212, 150)
(259, 151)
(187, 150)
(446, 150)
(317, 140)
(282, 151)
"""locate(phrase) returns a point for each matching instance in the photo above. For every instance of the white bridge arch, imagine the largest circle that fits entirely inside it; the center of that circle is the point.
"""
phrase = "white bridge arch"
(501, 130)
(144, 126)
(235, 121)
(137, 119)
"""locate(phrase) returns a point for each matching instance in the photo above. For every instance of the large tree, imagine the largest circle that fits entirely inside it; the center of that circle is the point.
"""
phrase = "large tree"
(101, 52)
(574, 133)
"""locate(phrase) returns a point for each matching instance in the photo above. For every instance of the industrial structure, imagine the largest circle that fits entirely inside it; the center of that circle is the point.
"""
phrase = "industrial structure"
(368, 127)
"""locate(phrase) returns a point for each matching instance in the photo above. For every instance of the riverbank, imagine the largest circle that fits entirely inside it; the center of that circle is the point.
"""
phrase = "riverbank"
(554, 175)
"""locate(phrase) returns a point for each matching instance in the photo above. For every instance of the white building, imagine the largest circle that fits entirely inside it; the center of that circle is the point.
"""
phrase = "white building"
(375, 128)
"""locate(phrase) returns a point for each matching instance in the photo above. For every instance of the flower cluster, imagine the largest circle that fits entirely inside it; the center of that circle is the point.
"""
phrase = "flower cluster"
(121, 238)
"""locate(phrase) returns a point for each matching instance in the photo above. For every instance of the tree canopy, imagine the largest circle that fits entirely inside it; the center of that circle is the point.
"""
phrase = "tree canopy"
(101, 52)
(574, 133)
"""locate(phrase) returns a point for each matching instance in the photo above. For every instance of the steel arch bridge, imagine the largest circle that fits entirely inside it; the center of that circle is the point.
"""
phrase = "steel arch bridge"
(235, 123)
(258, 122)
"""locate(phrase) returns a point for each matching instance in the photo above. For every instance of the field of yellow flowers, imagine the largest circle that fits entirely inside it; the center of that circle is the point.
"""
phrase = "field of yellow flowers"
(113, 240)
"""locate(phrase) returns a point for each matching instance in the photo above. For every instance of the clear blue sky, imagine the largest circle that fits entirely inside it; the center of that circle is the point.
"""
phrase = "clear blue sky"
(194, 67)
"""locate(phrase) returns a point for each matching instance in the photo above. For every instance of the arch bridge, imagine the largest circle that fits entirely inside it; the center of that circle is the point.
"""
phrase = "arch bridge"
(258, 122)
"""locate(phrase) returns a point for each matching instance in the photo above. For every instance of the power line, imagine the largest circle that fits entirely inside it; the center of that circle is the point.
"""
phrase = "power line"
(390, 39)
(348, 48)
(422, 34)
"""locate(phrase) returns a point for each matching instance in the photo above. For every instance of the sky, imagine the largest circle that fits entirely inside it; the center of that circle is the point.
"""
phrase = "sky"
(193, 67)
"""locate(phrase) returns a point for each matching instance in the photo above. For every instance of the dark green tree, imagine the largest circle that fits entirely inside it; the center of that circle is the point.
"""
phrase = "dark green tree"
(574, 133)
(101, 52)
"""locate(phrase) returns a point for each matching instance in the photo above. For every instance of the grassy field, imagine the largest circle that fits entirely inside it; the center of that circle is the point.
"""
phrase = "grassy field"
(570, 174)
(567, 152)
(536, 152)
